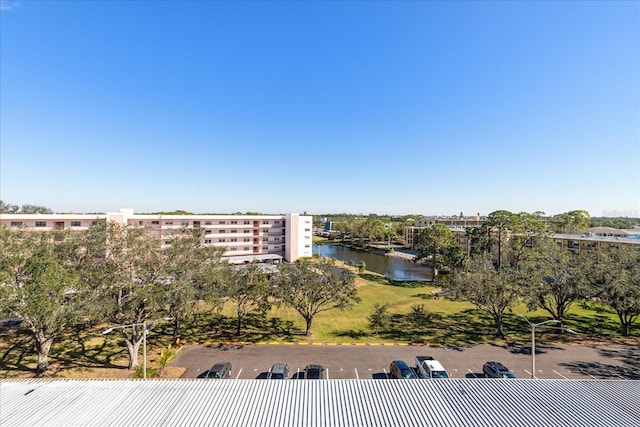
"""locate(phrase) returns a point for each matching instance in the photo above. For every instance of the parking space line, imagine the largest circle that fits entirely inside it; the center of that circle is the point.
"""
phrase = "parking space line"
(528, 373)
(239, 372)
(472, 373)
(327, 373)
(587, 374)
(560, 374)
(357, 376)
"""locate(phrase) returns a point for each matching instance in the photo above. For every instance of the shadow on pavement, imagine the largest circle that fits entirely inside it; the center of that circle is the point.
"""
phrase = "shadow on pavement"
(603, 370)
(379, 376)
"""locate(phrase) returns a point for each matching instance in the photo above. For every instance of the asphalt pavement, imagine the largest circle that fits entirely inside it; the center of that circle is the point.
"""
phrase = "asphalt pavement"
(253, 361)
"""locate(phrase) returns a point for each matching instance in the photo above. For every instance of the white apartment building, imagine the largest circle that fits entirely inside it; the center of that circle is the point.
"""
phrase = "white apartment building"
(244, 237)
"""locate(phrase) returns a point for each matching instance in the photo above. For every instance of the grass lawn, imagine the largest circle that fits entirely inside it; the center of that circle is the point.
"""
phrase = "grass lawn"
(85, 352)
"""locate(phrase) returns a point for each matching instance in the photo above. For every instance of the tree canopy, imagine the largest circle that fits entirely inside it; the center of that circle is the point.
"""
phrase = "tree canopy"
(313, 286)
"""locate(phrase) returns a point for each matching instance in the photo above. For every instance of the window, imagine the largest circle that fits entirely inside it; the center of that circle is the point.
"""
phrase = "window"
(233, 240)
(207, 231)
(167, 242)
(265, 222)
(185, 223)
(246, 231)
(75, 223)
(265, 248)
(276, 247)
(265, 239)
(277, 222)
(234, 222)
(207, 240)
(246, 239)
(16, 223)
(168, 223)
(41, 223)
(233, 249)
(246, 222)
(140, 222)
(155, 222)
(234, 231)
(277, 238)
(222, 231)
(246, 248)
(207, 223)
(221, 222)
(222, 240)
(307, 246)
(307, 230)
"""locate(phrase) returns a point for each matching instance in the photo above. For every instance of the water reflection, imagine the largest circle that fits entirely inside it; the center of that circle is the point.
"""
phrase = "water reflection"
(393, 268)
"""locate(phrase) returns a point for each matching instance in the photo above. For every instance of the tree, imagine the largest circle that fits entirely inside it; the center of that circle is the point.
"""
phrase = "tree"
(433, 241)
(379, 317)
(572, 222)
(493, 290)
(126, 268)
(39, 283)
(248, 287)
(557, 279)
(499, 225)
(621, 274)
(419, 316)
(189, 269)
(313, 287)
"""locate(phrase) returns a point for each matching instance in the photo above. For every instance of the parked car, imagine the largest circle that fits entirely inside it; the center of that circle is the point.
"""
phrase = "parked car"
(496, 370)
(401, 371)
(427, 367)
(314, 372)
(219, 371)
(279, 371)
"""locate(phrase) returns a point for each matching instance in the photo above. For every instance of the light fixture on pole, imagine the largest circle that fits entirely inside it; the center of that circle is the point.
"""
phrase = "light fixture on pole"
(145, 331)
(533, 338)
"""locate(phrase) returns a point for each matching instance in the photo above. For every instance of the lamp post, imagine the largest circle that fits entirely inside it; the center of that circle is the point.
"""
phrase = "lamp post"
(533, 338)
(145, 331)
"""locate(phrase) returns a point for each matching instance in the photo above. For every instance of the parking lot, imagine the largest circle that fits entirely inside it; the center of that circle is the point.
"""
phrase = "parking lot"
(372, 361)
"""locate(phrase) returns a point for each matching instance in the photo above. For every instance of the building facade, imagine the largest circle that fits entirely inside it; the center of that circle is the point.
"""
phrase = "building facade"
(244, 237)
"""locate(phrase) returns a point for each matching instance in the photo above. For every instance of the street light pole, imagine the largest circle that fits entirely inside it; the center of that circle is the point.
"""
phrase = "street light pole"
(144, 350)
(533, 338)
(145, 331)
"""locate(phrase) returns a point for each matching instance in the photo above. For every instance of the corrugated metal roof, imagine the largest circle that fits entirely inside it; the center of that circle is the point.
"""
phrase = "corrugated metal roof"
(454, 402)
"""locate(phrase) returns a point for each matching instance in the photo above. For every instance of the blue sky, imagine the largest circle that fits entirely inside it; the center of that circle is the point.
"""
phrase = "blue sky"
(359, 107)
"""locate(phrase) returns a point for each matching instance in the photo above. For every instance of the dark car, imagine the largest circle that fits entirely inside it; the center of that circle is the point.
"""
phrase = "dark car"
(399, 370)
(279, 371)
(219, 371)
(496, 370)
(314, 372)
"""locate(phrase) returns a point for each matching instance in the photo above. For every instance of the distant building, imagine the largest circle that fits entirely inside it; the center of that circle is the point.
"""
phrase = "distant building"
(252, 237)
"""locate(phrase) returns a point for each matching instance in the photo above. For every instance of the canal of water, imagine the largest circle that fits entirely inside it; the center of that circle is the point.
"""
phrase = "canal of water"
(393, 268)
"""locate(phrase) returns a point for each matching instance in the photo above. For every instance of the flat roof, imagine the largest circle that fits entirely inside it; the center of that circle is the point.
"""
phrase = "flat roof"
(451, 402)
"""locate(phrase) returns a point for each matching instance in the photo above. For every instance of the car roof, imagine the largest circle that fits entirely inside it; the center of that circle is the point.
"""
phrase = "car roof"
(220, 366)
(434, 365)
(279, 367)
(401, 364)
(497, 365)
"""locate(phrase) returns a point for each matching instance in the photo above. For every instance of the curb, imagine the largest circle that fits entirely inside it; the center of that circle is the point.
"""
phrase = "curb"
(306, 343)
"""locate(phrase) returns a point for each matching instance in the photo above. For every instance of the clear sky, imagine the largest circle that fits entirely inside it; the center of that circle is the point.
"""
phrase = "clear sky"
(325, 107)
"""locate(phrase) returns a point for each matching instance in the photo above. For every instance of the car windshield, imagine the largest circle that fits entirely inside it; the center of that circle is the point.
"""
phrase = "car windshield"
(215, 374)
(313, 373)
(439, 374)
(407, 374)
(507, 375)
(277, 376)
